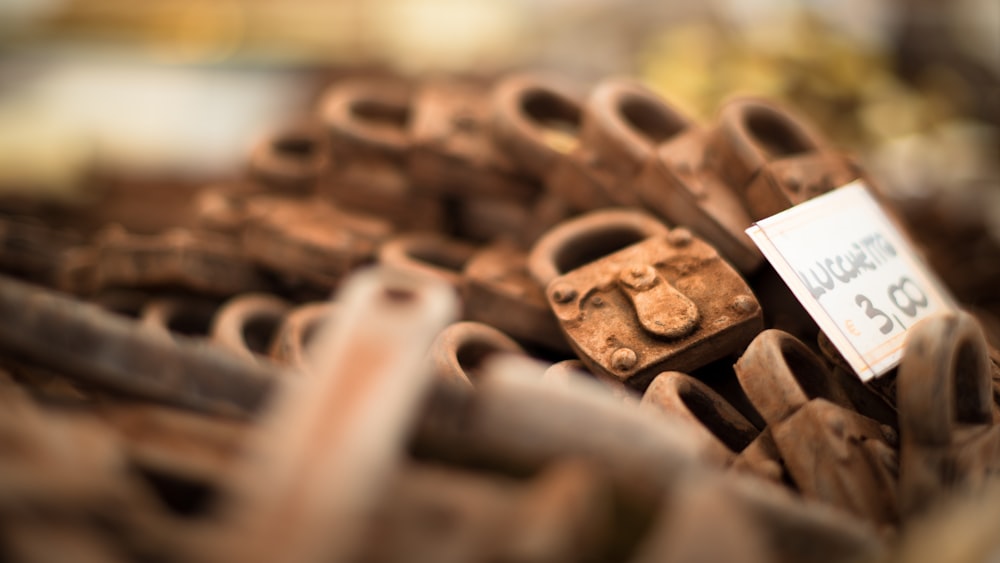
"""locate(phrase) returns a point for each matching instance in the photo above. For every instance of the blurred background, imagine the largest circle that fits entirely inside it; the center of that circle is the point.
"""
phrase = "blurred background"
(100, 94)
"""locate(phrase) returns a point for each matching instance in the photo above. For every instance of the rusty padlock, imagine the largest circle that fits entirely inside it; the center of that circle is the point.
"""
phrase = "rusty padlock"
(772, 158)
(248, 324)
(949, 437)
(292, 159)
(635, 298)
(200, 262)
(536, 123)
(459, 351)
(677, 184)
(453, 152)
(310, 240)
(831, 452)
(499, 291)
(621, 125)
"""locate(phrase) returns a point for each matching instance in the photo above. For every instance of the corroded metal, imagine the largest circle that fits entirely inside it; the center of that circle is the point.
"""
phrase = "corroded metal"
(635, 298)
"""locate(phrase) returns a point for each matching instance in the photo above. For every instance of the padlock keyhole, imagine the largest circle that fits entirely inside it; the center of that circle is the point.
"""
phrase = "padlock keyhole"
(777, 136)
(592, 246)
(650, 120)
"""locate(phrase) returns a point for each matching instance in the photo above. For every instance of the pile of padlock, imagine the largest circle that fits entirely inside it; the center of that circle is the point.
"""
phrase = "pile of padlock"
(568, 351)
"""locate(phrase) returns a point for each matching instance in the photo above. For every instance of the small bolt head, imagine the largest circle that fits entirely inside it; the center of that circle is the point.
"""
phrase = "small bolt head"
(743, 304)
(640, 277)
(679, 237)
(623, 359)
(563, 293)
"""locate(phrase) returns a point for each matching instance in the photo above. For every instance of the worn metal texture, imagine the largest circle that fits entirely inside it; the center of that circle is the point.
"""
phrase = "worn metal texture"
(635, 298)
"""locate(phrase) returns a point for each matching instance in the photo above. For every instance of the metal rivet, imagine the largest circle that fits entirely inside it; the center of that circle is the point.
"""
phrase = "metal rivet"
(743, 304)
(679, 237)
(623, 359)
(563, 294)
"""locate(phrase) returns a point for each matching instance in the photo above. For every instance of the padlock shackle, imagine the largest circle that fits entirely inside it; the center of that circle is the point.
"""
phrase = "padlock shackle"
(751, 132)
(525, 107)
(428, 254)
(462, 347)
(681, 395)
(943, 379)
(291, 343)
(780, 374)
(628, 121)
(293, 157)
(248, 324)
(368, 114)
(586, 238)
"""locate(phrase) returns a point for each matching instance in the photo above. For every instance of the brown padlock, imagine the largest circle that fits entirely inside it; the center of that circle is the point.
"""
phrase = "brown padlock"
(453, 152)
(949, 437)
(536, 123)
(621, 125)
(831, 452)
(310, 240)
(772, 158)
(678, 185)
(293, 159)
(459, 351)
(499, 292)
(635, 298)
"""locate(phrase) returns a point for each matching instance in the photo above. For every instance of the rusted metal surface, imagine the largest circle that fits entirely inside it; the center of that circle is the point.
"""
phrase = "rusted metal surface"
(635, 298)
(212, 404)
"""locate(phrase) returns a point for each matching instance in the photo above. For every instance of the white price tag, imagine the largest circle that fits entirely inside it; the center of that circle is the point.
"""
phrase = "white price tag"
(854, 272)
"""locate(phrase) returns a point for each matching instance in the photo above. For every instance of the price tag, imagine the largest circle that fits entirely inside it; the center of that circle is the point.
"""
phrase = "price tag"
(854, 272)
